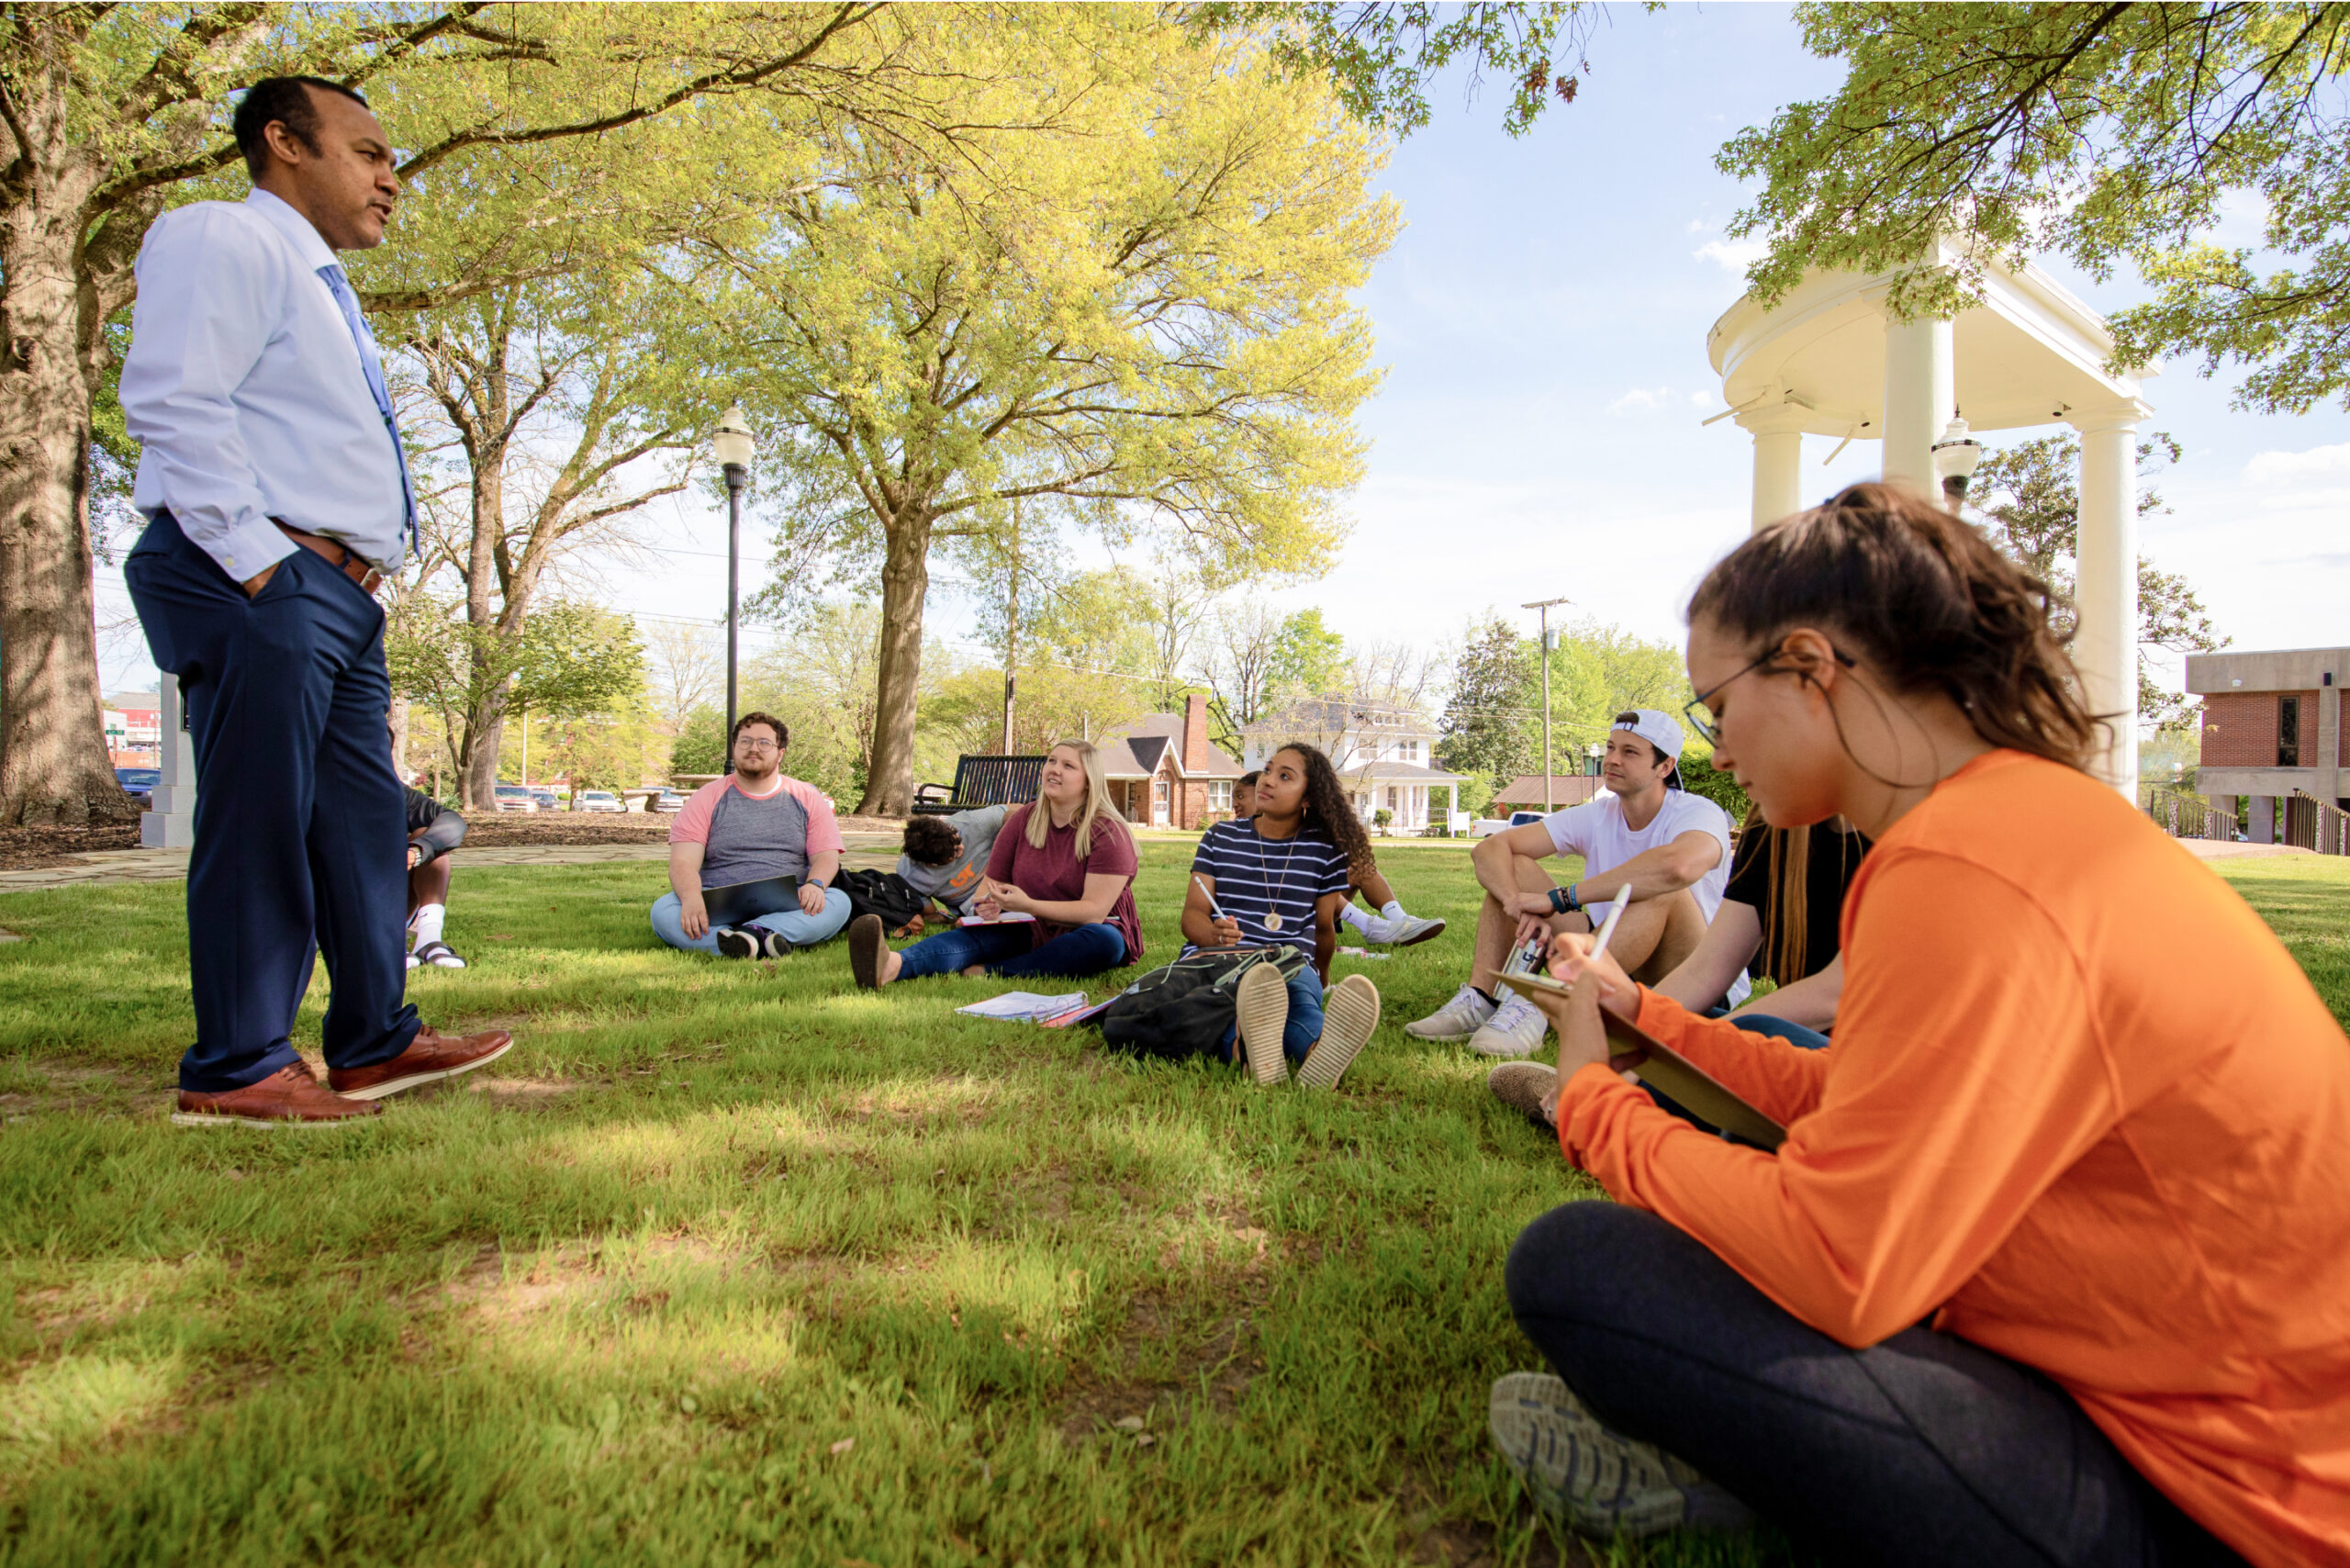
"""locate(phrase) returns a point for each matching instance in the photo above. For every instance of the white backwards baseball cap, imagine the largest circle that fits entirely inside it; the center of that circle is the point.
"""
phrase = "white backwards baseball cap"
(1660, 730)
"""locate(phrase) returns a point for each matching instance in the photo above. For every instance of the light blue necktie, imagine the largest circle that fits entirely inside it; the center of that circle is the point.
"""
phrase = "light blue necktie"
(373, 364)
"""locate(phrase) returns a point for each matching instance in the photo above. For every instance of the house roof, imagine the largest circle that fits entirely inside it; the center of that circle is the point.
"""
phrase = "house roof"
(1566, 789)
(1398, 773)
(1327, 715)
(1136, 751)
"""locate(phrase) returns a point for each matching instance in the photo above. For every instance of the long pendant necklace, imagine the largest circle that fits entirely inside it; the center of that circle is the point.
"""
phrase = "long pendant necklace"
(1272, 911)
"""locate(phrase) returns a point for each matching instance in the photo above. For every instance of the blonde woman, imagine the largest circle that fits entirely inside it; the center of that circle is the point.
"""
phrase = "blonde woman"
(1065, 862)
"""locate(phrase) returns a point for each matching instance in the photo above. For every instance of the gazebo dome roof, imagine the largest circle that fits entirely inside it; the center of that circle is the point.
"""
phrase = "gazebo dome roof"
(2025, 355)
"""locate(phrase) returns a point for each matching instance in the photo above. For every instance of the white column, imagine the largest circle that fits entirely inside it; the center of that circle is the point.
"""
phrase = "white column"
(2105, 649)
(169, 822)
(1778, 463)
(1920, 395)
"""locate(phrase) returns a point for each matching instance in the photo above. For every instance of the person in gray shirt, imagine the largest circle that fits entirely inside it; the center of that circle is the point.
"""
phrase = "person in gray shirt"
(944, 859)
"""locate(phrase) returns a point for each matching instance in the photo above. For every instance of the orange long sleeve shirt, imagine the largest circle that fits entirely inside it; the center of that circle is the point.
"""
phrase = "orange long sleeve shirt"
(2082, 1106)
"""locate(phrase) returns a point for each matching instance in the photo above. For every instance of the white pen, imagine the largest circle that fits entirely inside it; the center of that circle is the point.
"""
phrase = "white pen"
(1215, 911)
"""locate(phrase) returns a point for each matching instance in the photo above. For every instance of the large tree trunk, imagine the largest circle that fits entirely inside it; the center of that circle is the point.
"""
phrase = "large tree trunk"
(53, 762)
(905, 582)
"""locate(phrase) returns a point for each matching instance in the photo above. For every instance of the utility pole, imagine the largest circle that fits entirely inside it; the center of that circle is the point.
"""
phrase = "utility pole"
(1544, 607)
(1012, 633)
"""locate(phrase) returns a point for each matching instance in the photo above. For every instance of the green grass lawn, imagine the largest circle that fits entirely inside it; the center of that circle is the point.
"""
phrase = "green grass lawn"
(727, 1262)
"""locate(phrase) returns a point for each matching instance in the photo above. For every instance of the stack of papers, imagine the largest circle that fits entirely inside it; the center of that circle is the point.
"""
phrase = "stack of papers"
(1027, 1007)
(1006, 919)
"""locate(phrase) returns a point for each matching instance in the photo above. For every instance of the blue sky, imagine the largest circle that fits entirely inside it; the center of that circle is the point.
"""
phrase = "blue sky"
(1542, 320)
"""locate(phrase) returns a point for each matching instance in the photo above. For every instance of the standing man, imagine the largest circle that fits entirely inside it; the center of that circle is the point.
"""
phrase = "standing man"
(1648, 840)
(277, 497)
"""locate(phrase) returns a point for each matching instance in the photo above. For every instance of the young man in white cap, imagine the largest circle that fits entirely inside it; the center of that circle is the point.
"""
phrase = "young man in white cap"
(1648, 839)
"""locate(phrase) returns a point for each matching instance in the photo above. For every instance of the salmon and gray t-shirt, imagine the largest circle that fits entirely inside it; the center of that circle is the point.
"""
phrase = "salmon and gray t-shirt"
(747, 838)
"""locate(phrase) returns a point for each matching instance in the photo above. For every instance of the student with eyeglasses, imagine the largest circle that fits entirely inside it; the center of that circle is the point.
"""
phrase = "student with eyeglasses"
(752, 826)
(2053, 1263)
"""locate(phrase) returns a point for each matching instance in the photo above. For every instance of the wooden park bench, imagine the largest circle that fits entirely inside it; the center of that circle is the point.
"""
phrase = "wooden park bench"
(982, 781)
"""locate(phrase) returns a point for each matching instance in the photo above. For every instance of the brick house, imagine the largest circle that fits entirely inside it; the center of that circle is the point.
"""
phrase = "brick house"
(1164, 771)
(2271, 726)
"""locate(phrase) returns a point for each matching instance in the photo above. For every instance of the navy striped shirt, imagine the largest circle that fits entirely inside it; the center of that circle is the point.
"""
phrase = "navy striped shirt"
(1256, 876)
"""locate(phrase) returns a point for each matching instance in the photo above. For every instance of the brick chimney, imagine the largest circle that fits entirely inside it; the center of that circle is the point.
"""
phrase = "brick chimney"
(1194, 755)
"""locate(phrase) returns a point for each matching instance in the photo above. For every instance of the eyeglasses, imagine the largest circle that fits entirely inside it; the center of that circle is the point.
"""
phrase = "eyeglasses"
(1701, 717)
(748, 743)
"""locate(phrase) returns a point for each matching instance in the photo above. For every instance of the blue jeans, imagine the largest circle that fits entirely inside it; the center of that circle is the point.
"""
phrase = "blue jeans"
(800, 929)
(1003, 950)
(1305, 1025)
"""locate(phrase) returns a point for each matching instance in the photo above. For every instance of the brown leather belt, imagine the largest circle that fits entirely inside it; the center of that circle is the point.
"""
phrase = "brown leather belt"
(338, 554)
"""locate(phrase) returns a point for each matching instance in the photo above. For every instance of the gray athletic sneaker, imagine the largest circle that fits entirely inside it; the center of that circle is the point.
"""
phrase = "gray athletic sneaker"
(1456, 1020)
(1408, 931)
(1515, 1030)
(1596, 1481)
(1350, 1013)
(1262, 999)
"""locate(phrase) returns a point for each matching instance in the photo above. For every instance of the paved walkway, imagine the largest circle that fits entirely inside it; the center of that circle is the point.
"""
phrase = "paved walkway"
(876, 851)
(2215, 849)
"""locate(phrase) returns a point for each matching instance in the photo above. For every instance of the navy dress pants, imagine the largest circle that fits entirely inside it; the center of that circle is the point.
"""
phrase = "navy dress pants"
(301, 830)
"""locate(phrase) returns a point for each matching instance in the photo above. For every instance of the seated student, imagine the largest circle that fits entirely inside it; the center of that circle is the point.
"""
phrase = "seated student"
(944, 859)
(433, 830)
(1787, 888)
(1279, 879)
(1649, 838)
(2054, 1265)
(750, 825)
(1392, 926)
(1067, 860)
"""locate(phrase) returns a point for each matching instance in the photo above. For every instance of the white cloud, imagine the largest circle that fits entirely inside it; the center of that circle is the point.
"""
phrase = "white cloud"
(1733, 256)
(2320, 463)
(1640, 397)
(1701, 399)
(1697, 226)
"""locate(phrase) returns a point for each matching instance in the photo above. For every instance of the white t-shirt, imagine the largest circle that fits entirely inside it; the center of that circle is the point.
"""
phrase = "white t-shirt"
(1596, 830)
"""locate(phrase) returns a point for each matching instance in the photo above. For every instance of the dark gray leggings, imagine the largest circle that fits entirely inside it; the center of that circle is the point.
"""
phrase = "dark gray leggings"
(1922, 1448)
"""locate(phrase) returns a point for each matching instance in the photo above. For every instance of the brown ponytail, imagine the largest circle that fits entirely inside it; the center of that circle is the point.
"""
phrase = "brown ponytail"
(1926, 601)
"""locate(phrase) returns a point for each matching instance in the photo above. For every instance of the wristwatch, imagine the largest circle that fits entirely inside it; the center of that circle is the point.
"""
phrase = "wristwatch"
(1564, 900)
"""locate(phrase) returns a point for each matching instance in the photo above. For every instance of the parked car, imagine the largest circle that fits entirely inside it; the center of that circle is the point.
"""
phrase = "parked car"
(138, 783)
(667, 800)
(600, 801)
(514, 798)
(548, 801)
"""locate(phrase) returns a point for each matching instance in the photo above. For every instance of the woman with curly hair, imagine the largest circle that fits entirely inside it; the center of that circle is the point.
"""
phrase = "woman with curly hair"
(1279, 879)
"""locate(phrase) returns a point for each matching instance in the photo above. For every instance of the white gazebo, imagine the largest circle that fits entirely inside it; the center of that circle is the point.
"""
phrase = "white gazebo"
(1829, 360)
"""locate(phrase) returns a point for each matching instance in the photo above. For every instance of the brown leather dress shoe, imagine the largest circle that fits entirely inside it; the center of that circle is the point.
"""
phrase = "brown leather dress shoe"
(290, 1097)
(430, 1057)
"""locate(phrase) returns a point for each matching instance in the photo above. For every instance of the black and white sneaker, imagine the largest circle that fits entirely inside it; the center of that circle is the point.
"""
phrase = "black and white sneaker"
(737, 943)
(774, 944)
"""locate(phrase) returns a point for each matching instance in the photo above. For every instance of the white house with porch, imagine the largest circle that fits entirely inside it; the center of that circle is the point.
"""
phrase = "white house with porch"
(1385, 755)
(1830, 360)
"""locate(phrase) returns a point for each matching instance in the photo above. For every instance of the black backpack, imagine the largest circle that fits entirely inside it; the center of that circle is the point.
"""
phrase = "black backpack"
(884, 893)
(1187, 1008)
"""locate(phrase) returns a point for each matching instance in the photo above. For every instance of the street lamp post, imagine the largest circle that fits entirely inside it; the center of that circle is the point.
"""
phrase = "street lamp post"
(734, 449)
(1955, 457)
(1544, 606)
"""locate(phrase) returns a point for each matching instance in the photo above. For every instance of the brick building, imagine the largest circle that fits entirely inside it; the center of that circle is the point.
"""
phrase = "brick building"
(2271, 727)
(1164, 772)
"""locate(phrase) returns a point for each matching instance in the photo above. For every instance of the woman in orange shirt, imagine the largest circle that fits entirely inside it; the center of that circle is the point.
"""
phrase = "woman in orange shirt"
(2054, 1265)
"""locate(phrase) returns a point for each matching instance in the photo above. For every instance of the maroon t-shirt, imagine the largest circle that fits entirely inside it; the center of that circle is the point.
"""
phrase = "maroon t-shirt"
(1055, 875)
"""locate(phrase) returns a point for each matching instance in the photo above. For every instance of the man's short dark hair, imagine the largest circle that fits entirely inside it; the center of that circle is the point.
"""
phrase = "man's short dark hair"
(931, 841)
(287, 99)
(1625, 722)
(1249, 780)
(782, 735)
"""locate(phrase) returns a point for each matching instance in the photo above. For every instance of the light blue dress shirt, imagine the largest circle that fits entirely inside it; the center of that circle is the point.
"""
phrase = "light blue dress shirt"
(251, 395)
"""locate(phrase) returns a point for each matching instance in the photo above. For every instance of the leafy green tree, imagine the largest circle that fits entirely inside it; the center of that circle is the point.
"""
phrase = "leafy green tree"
(1496, 683)
(701, 746)
(569, 659)
(2030, 495)
(1141, 305)
(1309, 659)
(2109, 134)
(109, 113)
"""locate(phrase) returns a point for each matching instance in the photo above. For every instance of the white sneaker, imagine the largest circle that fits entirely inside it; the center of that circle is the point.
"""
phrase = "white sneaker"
(1593, 1480)
(1262, 999)
(1350, 1013)
(1456, 1020)
(1408, 931)
(1516, 1029)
